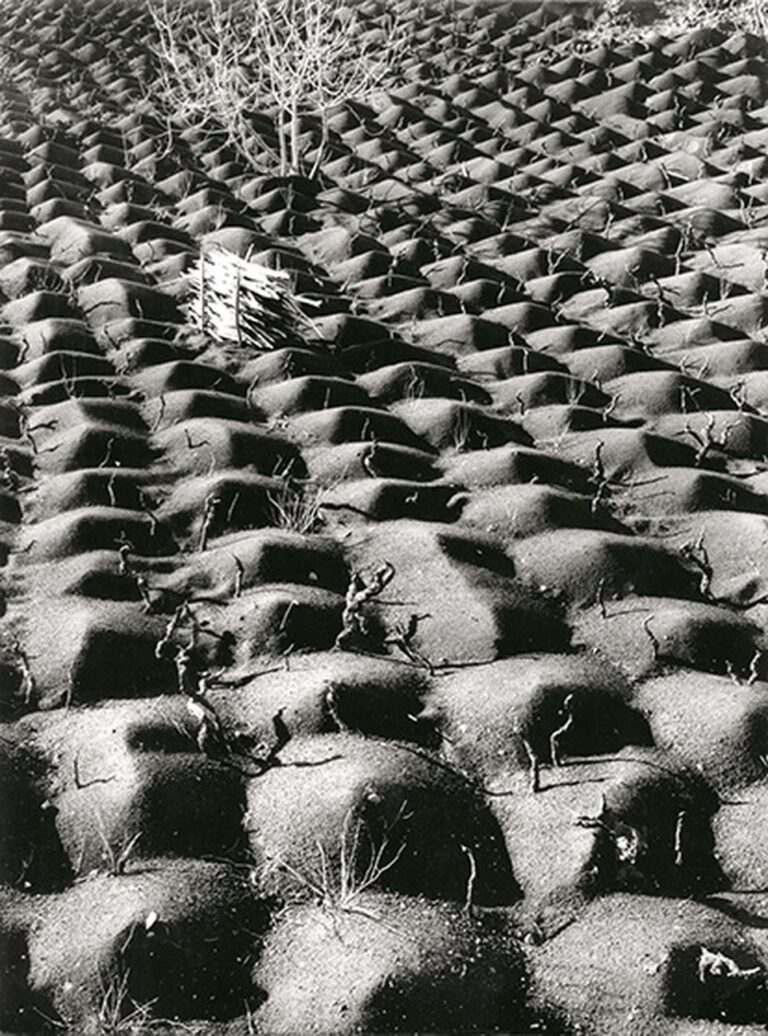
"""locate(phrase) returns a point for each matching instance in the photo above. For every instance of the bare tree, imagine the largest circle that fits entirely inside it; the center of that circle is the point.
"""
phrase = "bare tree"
(223, 64)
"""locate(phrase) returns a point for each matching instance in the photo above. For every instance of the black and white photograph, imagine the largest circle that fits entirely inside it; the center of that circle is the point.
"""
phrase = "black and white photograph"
(383, 517)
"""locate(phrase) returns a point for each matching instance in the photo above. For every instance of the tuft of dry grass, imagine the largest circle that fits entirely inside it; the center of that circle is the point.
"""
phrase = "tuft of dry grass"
(297, 507)
(118, 1015)
(362, 861)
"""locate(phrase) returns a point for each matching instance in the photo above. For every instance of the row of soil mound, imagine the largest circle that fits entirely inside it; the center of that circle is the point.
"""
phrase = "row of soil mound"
(412, 675)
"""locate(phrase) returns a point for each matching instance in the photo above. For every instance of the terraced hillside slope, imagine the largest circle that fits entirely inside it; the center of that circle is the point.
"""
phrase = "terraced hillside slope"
(411, 676)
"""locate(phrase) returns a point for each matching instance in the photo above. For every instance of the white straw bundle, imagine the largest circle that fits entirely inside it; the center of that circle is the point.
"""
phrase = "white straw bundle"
(239, 302)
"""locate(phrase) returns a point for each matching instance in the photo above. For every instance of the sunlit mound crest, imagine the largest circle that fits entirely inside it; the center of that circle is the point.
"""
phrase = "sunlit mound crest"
(239, 302)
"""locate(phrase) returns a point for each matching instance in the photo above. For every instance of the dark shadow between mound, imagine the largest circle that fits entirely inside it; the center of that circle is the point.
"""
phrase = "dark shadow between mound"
(738, 913)
(565, 784)
(183, 978)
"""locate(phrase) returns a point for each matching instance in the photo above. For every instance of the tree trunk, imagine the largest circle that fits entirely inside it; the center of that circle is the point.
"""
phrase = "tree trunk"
(295, 156)
(326, 132)
(282, 143)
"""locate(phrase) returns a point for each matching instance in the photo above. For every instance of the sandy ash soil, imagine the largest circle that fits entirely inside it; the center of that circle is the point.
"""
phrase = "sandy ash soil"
(412, 676)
